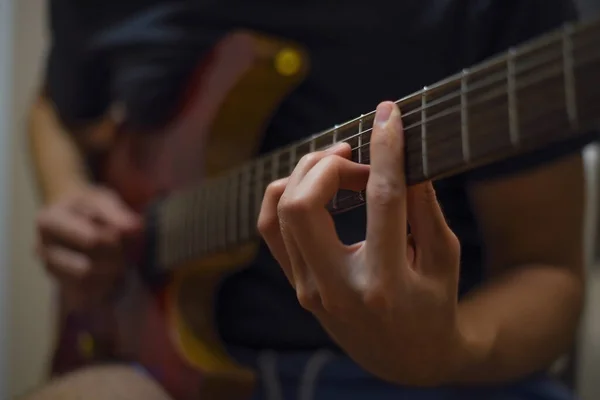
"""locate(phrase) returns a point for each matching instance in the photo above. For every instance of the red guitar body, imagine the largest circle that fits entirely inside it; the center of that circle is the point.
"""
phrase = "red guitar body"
(169, 330)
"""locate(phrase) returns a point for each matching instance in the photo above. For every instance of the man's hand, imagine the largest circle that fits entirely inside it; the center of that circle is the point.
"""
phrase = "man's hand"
(81, 240)
(390, 301)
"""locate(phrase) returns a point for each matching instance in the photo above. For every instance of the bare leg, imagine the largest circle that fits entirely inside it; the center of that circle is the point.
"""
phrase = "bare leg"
(101, 383)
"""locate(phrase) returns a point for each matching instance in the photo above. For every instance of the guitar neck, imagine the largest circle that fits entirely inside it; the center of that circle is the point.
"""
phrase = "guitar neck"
(544, 92)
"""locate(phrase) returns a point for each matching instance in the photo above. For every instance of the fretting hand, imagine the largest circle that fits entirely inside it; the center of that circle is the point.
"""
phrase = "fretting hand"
(391, 300)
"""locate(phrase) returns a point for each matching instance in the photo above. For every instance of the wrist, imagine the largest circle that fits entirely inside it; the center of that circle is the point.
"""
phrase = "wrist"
(60, 190)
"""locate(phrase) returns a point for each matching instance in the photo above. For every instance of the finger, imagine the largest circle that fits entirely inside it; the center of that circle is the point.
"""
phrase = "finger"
(307, 162)
(411, 252)
(107, 208)
(425, 217)
(386, 196)
(302, 278)
(312, 226)
(59, 225)
(67, 265)
(434, 239)
(270, 229)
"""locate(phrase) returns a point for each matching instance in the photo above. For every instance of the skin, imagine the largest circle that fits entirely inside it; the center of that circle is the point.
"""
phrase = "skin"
(101, 383)
(81, 231)
(82, 228)
(391, 301)
(520, 321)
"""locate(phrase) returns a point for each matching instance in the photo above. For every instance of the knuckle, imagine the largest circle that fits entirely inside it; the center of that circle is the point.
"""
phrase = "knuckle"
(82, 275)
(383, 192)
(428, 195)
(294, 206)
(453, 244)
(332, 160)
(310, 158)
(275, 189)
(91, 240)
(377, 299)
(309, 299)
(43, 219)
(267, 225)
(448, 248)
(102, 191)
(335, 306)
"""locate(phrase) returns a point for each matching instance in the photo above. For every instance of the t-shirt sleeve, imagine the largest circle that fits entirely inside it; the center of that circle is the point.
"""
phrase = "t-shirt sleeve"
(74, 80)
(525, 20)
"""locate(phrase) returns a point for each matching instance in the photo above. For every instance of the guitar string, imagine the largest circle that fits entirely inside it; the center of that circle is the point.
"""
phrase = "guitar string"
(499, 93)
(408, 128)
(192, 248)
(431, 146)
(365, 152)
(438, 140)
(487, 83)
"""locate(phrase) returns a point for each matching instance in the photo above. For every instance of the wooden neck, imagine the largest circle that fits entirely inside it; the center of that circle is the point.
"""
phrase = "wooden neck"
(544, 92)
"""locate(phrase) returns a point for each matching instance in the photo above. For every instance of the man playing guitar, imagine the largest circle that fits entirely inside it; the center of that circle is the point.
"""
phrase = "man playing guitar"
(483, 294)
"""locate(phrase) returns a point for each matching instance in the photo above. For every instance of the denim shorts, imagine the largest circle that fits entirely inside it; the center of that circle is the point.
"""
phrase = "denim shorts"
(323, 375)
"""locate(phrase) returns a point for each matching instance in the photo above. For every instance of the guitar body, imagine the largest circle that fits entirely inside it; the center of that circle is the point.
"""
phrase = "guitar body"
(169, 329)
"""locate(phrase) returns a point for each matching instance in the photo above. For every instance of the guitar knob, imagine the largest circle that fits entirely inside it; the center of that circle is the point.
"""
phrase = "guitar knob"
(86, 345)
(288, 62)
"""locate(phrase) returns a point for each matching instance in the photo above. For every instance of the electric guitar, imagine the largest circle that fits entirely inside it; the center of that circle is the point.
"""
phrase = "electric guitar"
(201, 195)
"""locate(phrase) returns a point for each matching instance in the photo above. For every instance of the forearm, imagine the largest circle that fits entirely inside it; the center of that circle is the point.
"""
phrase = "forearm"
(519, 323)
(57, 162)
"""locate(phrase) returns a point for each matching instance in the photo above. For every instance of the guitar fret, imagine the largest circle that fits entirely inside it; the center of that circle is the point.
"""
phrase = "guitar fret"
(334, 202)
(424, 159)
(502, 94)
(360, 144)
(244, 194)
(211, 225)
(275, 167)
(221, 215)
(569, 71)
(258, 188)
(165, 241)
(195, 223)
(464, 117)
(360, 150)
(180, 241)
(512, 98)
(204, 200)
(292, 159)
(232, 194)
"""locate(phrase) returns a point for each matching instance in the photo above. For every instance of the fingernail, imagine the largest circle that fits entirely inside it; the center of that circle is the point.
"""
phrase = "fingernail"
(384, 110)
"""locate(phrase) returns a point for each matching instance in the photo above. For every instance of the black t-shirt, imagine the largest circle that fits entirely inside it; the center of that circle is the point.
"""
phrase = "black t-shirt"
(141, 53)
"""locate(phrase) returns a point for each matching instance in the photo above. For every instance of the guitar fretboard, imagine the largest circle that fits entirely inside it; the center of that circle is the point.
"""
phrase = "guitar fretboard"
(543, 92)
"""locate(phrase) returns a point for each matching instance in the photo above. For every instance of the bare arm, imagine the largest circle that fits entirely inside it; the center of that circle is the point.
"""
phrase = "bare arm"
(528, 313)
(57, 159)
(58, 165)
(69, 233)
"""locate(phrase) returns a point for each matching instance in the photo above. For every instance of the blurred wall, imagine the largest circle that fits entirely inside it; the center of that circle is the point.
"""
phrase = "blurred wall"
(30, 325)
(589, 349)
(6, 14)
(589, 7)
(30, 296)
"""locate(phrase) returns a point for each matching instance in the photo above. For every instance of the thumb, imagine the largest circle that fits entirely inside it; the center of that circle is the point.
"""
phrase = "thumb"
(386, 192)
